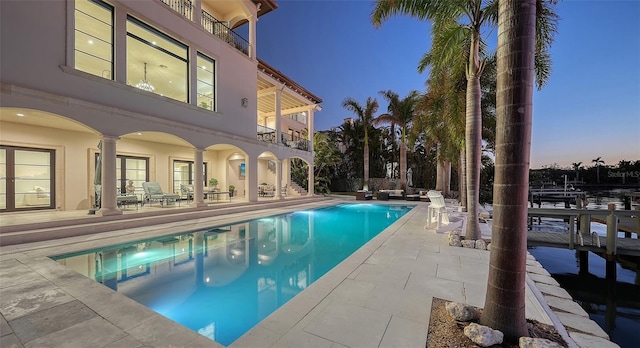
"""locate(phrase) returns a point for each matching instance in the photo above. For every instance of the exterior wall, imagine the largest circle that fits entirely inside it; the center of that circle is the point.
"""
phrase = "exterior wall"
(37, 74)
(43, 64)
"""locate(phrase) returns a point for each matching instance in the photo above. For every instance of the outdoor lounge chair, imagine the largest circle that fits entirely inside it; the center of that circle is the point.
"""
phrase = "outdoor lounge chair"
(153, 193)
(440, 217)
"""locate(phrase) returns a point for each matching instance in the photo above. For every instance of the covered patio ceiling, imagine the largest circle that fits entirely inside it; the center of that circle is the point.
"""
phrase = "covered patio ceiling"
(294, 98)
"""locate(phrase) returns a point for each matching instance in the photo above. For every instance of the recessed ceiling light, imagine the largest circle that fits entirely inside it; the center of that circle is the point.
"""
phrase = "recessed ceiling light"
(170, 81)
(204, 67)
(90, 42)
(20, 115)
(139, 133)
(153, 42)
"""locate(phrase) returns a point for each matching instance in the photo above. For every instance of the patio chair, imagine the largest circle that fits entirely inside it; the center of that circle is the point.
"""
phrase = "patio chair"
(187, 190)
(153, 193)
(441, 216)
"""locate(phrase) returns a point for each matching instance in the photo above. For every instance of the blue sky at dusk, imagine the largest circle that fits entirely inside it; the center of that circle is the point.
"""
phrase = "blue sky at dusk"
(589, 108)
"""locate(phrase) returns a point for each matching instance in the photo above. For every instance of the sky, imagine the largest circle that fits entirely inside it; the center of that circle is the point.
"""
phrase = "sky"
(589, 108)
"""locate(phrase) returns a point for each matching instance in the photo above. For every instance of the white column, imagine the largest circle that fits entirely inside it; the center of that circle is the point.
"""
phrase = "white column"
(198, 185)
(252, 37)
(311, 183)
(279, 179)
(109, 204)
(287, 171)
(278, 103)
(311, 129)
(197, 12)
(252, 177)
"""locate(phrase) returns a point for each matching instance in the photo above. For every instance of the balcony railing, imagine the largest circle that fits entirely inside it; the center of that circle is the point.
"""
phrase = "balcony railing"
(266, 134)
(222, 30)
(211, 24)
(183, 7)
(294, 142)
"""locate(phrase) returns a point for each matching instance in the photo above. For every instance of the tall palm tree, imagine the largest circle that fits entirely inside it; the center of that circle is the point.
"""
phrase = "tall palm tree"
(469, 17)
(399, 112)
(458, 24)
(365, 115)
(598, 161)
(576, 168)
(505, 299)
(518, 37)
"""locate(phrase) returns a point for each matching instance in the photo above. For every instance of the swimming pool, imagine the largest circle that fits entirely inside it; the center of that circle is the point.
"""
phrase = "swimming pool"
(221, 281)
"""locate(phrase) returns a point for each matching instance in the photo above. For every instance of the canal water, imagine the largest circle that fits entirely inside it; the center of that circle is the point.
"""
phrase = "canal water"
(614, 305)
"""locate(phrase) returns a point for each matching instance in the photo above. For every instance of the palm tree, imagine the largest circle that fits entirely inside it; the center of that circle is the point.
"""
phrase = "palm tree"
(399, 112)
(598, 161)
(576, 168)
(365, 115)
(456, 25)
(517, 32)
(462, 20)
(504, 304)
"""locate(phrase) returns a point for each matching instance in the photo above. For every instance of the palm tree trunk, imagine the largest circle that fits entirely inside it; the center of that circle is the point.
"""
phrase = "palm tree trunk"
(446, 186)
(403, 163)
(463, 181)
(505, 300)
(365, 184)
(439, 167)
(473, 138)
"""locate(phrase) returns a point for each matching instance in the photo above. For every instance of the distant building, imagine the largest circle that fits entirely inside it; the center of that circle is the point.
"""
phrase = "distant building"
(169, 89)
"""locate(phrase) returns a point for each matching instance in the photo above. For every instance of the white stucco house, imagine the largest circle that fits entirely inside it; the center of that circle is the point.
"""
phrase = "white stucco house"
(172, 90)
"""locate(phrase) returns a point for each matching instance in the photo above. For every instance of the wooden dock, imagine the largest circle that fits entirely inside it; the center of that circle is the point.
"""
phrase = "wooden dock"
(581, 238)
(625, 246)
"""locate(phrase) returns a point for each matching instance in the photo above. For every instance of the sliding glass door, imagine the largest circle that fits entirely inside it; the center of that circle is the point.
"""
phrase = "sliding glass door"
(26, 178)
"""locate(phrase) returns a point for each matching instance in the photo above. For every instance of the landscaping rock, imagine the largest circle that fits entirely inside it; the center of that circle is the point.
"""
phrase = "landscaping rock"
(461, 312)
(483, 336)
(468, 244)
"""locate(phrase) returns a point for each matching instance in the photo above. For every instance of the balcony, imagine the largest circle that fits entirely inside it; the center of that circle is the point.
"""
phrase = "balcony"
(183, 7)
(222, 30)
(211, 24)
(294, 142)
(268, 135)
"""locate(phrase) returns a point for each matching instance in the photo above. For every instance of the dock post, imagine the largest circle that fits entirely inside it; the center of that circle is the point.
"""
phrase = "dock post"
(612, 230)
(583, 256)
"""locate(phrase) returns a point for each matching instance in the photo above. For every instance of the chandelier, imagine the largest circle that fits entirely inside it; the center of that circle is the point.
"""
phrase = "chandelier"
(144, 83)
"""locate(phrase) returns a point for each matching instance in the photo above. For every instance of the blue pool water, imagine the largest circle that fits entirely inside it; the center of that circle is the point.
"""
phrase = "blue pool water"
(221, 281)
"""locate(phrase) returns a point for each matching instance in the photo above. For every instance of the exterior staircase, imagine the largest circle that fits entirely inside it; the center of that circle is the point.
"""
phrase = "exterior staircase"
(297, 189)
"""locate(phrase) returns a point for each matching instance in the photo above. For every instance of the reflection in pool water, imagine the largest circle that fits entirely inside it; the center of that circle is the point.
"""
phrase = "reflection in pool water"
(222, 281)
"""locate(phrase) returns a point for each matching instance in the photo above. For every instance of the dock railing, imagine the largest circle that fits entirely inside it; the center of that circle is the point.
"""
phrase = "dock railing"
(583, 216)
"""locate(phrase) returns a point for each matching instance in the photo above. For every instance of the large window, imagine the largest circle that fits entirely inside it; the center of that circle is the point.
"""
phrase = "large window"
(94, 38)
(26, 178)
(156, 62)
(183, 174)
(206, 82)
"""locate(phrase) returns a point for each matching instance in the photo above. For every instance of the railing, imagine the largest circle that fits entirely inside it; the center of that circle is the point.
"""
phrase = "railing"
(582, 217)
(222, 30)
(266, 134)
(183, 7)
(294, 142)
